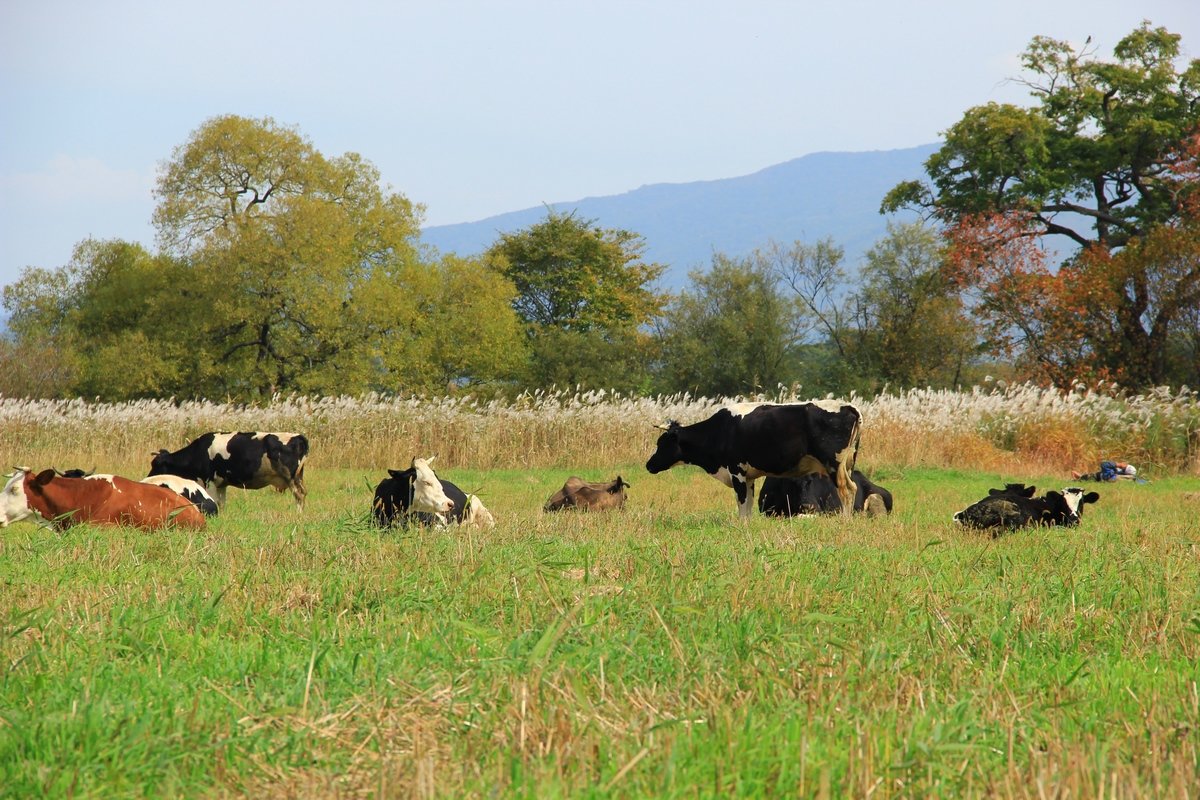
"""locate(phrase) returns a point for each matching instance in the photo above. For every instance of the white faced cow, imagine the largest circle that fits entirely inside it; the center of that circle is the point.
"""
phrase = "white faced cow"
(245, 460)
(743, 442)
(1015, 507)
(417, 493)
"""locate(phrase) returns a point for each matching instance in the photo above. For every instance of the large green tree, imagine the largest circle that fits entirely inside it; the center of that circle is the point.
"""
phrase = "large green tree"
(1094, 162)
(301, 258)
(280, 270)
(585, 293)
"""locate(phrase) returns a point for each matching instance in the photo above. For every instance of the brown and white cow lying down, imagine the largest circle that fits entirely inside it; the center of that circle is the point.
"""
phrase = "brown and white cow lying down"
(111, 500)
(580, 494)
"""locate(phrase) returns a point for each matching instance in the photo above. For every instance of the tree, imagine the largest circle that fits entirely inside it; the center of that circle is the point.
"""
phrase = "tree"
(468, 335)
(733, 332)
(303, 259)
(281, 270)
(1096, 162)
(911, 327)
(584, 293)
(115, 314)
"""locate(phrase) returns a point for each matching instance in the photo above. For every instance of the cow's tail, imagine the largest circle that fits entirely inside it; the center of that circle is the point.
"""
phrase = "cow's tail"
(846, 461)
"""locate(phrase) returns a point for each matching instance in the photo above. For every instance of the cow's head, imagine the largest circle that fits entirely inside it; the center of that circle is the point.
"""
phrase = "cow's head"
(1018, 489)
(14, 505)
(1074, 499)
(428, 494)
(161, 463)
(815, 493)
(668, 451)
(75, 473)
(617, 486)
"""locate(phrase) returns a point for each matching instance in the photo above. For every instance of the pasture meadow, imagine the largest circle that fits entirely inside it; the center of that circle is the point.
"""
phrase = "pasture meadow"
(668, 650)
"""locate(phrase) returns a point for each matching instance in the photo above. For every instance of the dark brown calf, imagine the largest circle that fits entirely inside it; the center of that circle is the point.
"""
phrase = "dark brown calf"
(578, 493)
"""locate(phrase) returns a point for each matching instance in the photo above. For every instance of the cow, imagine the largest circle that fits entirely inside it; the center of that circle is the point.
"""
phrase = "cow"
(248, 460)
(417, 493)
(100, 500)
(580, 494)
(743, 442)
(1005, 510)
(816, 494)
(188, 489)
(183, 487)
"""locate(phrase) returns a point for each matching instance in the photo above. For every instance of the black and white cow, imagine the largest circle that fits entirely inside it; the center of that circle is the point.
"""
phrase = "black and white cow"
(248, 460)
(816, 494)
(743, 442)
(417, 493)
(1004, 510)
(187, 488)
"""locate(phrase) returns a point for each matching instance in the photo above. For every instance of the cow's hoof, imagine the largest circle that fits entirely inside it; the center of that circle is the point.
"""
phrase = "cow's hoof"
(874, 506)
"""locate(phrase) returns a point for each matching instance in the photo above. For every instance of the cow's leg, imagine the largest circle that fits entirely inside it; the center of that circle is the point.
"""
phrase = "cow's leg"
(846, 487)
(217, 490)
(874, 506)
(745, 493)
(298, 490)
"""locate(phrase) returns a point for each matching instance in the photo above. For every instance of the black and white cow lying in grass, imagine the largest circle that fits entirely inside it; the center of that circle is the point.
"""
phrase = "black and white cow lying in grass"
(418, 494)
(1015, 507)
(817, 494)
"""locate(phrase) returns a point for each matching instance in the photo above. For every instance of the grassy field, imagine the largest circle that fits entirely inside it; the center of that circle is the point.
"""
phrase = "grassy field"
(669, 650)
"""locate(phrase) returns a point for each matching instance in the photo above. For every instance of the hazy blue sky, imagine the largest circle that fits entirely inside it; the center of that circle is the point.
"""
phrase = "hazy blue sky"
(477, 108)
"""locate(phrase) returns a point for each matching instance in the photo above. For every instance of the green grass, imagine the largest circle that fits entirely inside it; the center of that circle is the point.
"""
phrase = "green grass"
(669, 650)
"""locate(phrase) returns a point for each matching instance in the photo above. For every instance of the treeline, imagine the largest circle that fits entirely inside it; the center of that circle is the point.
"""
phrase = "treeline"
(281, 270)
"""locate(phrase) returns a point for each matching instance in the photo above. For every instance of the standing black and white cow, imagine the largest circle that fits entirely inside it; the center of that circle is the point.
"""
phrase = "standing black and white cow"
(743, 442)
(248, 460)
(816, 494)
(1014, 507)
(418, 493)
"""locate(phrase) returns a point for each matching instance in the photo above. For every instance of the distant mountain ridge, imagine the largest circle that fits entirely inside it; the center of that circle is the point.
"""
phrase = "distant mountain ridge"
(809, 198)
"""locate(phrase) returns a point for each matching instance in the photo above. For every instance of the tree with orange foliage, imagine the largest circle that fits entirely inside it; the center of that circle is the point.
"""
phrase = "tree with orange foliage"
(1109, 159)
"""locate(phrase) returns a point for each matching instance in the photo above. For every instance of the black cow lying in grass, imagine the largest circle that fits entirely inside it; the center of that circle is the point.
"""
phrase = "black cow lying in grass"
(817, 494)
(1015, 507)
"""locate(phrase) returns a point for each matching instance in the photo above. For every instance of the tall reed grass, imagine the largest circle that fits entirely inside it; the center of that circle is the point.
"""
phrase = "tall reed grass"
(994, 427)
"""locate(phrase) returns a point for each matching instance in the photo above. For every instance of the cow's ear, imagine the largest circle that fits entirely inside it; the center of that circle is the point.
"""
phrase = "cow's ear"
(44, 477)
(1091, 497)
